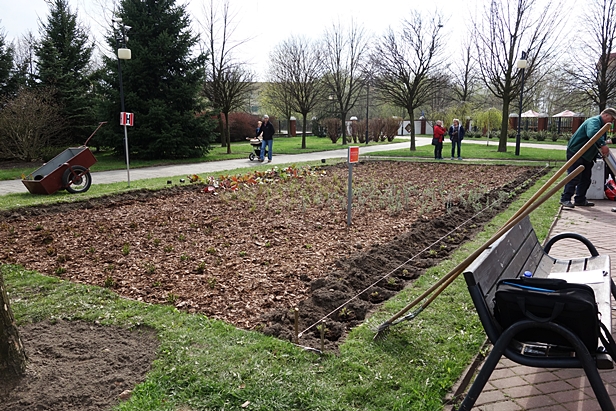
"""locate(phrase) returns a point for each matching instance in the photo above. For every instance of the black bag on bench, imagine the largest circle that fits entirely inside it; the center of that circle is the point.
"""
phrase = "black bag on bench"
(543, 299)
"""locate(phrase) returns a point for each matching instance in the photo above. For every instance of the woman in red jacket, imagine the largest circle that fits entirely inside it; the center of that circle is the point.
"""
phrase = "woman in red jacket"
(437, 141)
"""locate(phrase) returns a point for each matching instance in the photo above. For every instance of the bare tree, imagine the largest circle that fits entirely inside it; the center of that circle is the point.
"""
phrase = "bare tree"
(463, 75)
(25, 59)
(296, 65)
(345, 56)
(501, 35)
(593, 65)
(403, 63)
(278, 98)
(228, 83)
(29, 122)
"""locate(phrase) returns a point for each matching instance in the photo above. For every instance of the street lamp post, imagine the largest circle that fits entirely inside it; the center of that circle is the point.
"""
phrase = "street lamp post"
(522, 64)
(123, 54)
(367, 101)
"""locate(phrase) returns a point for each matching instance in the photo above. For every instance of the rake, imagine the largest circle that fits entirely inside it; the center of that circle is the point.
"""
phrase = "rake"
(526, 209)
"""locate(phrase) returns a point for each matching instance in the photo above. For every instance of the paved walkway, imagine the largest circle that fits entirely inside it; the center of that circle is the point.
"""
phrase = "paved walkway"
(515, 387)
(115, 176)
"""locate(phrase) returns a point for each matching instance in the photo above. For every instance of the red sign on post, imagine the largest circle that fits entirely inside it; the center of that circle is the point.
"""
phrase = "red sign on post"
(353, 156)
(127, 119)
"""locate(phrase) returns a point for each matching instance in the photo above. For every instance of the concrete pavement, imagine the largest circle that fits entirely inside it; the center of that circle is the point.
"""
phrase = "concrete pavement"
(514, 387)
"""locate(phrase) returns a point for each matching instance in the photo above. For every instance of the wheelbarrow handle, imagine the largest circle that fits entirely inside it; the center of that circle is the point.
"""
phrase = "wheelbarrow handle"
(92, 135)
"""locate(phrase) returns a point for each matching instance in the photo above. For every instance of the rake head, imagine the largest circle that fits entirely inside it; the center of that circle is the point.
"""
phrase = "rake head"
(383, 329)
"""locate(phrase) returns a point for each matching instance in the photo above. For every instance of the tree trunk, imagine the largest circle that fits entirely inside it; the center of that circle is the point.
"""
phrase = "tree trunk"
(304, 130)
(221, 127)
(502, 141)
(227, 133)
(344, 128)
(412, 123)
(12, 353)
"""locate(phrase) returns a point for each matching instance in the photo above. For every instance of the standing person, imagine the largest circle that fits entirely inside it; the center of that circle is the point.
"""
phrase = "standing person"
(456, 134)
(267, 131)
(580, 184)
(439, 135)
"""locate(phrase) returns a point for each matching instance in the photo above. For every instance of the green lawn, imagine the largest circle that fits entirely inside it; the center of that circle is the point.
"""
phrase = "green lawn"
(484, 151)
(204, 364)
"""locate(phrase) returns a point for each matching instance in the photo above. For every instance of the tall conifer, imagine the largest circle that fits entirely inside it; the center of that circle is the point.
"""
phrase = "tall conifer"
(161, 83)
(63, 63)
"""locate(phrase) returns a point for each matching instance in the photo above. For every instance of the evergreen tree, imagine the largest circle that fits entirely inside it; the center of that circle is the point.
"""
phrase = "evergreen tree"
(64, 54)
(7, 85)
(161, 83)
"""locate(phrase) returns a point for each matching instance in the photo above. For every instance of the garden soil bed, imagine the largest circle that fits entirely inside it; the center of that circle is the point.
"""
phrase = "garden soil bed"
(247, 257)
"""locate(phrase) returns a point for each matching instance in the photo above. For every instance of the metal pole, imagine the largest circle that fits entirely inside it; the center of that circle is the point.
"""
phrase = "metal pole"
(367, 101)
(126, 150)
(350, 194)
(123, 110)
(517, 137)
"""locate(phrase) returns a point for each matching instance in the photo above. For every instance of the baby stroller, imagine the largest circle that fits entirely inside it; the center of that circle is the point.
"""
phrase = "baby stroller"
(256, 147)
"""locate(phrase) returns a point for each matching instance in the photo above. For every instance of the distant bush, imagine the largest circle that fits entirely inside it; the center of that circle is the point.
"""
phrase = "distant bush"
(333, 128)
(391, 125)
(29, 122)
(375, 129)
(242, 125)
(358, 131)
(541, 135)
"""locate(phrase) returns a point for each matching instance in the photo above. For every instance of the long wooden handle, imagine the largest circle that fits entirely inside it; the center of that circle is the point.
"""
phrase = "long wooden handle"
(565, 167)
(518, 215)
(449, 277)
(460, 268)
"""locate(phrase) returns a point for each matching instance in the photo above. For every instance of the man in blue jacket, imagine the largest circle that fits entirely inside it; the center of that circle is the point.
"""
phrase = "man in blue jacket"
(580, 184)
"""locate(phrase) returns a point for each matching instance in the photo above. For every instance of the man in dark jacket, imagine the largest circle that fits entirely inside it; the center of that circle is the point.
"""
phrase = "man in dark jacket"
(267, 131)
(456, 135)
(580, 184)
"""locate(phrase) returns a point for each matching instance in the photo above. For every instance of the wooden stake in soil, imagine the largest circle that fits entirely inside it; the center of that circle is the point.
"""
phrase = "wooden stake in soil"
(323, 336)
(296, 312)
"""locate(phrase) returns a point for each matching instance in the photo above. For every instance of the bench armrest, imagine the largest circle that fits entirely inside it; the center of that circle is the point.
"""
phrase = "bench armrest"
(575, 236)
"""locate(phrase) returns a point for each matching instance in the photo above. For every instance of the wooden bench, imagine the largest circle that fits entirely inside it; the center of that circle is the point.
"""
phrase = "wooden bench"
(518, 251)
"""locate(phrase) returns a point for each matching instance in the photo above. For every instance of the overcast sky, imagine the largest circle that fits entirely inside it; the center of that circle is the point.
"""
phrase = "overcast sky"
(267, 22)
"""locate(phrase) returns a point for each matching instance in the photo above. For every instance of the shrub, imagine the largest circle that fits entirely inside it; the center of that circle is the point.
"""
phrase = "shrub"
(318, 130)
(375, 129)
(28, 123)
(390, 127)
(541, 135)
(358, 131)
(242, 125)
(333, 128)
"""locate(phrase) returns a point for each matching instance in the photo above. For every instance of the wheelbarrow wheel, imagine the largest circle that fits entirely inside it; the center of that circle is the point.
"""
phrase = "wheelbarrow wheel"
(77, 180)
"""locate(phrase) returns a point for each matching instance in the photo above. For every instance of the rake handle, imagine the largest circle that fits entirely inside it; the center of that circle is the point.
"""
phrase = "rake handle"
(519, 218)
(449, 277)
(606, 127)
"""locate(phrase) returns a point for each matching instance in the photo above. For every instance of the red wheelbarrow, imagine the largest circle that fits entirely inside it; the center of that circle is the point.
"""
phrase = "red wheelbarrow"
(68, 170)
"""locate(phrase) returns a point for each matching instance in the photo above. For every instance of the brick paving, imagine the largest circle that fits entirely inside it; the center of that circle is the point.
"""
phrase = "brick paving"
(516, 387)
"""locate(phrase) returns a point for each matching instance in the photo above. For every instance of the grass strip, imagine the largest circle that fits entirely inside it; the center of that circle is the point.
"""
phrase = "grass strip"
(481, 151)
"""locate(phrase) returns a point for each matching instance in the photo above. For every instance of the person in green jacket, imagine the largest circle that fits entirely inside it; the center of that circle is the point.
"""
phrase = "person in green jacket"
(580, 184)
